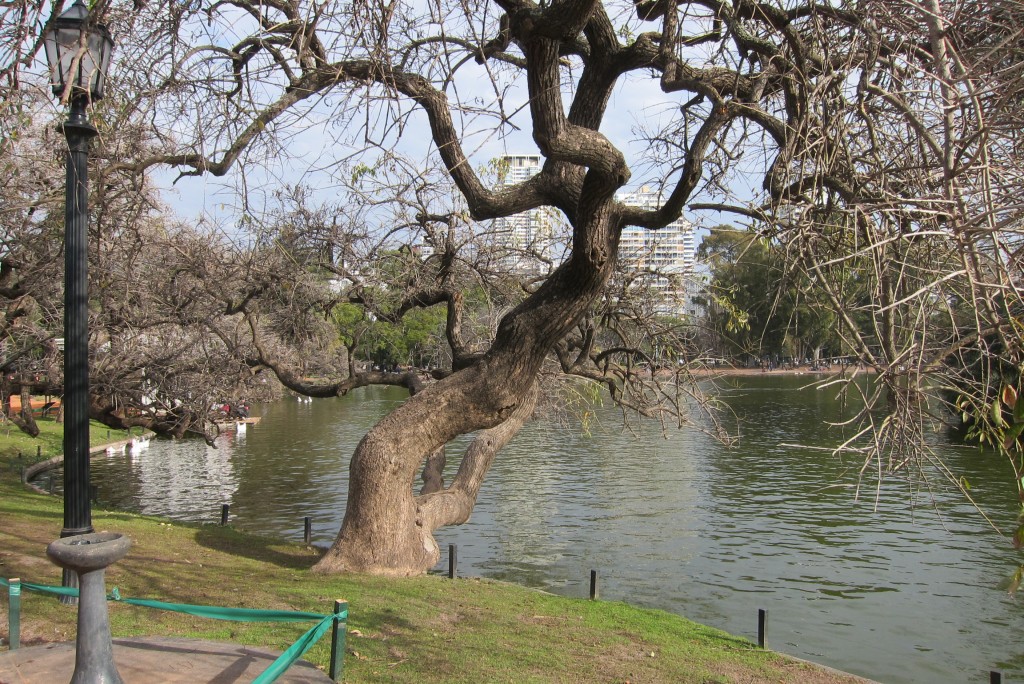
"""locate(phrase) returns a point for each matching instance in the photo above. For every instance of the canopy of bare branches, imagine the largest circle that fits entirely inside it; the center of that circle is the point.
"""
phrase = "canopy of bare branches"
(875, 145)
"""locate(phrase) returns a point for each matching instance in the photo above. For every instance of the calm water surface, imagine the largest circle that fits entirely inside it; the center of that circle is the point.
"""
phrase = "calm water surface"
(910, 588)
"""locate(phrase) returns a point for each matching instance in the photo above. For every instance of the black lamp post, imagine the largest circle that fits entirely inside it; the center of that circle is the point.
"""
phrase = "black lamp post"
(78, 55)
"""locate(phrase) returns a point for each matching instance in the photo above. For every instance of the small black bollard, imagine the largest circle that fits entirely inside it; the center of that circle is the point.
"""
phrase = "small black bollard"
(337, 665)
(995, 677)
(307, 529)
(762, 627)
(224, 514)
(453, 561)
(94, 493)
(593, 585)
(39, 451)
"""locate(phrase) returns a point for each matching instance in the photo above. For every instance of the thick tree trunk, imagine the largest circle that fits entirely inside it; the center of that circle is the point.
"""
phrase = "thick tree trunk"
(387, 529)
(24, 418)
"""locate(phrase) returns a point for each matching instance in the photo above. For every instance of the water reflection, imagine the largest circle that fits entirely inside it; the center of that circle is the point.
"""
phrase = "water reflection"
(891, 591)
(167, 481)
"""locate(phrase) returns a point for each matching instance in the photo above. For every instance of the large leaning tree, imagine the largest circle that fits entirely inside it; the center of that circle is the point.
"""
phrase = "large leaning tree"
(860, 134)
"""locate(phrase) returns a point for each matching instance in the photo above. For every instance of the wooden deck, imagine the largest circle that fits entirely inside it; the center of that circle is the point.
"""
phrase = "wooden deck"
(228, 422)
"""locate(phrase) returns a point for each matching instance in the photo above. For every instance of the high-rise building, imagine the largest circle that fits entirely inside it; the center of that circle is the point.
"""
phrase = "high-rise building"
(529, 235)
(520, 167)
(668, 254)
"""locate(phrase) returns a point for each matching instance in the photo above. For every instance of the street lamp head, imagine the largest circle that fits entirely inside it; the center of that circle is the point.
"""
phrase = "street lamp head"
(78, 54)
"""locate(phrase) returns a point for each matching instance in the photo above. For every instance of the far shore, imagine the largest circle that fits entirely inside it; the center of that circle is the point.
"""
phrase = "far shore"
(714, 371)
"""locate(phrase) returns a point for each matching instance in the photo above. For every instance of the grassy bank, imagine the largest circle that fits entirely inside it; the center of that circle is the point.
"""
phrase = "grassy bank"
(427, 629)
(16, 444)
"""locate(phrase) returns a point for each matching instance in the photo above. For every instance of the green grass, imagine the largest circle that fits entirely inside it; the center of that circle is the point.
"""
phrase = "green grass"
(426, 629)
(49, 443)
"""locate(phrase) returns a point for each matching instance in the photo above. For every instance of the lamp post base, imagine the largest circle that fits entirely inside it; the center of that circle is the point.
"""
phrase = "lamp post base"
(88, 555)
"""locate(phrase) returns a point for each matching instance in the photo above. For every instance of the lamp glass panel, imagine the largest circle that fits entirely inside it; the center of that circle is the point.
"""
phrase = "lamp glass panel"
(68, 43)
(52, 60)
(94, 71)
(88, 67)
(104, 46)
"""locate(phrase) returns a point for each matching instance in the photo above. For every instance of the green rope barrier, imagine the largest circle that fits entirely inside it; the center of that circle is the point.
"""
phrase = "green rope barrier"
(44, 589)
(213, 612)
(274, 670)
(294, 652)
(218, 613)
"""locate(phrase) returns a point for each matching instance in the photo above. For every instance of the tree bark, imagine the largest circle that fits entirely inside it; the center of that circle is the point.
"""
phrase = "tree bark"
(24, 419)
(433, 472)
(389, 531)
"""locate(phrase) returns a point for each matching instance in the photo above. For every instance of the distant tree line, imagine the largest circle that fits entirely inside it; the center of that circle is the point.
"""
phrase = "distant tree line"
(759, 308)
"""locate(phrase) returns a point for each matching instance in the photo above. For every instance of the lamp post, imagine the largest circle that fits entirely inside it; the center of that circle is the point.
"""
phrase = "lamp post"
(78, 55)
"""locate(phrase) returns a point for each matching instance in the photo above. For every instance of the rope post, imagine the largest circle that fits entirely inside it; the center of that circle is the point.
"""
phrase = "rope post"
(39, 452)
(762, 627)
(338, 642)
(994, 677)
(453, 561)
(224, 513)
(94, 493)
(14, 612)
(593, 585)
(307, 529)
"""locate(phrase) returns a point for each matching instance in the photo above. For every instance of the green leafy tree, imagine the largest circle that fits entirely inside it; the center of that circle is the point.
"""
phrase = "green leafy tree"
(758, 304)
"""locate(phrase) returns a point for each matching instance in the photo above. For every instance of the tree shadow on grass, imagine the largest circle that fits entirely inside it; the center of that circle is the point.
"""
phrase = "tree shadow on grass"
(38, 513)
(386, 622)
(273, 551)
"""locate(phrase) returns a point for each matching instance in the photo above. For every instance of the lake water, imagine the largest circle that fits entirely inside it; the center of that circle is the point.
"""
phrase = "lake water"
(910, 588)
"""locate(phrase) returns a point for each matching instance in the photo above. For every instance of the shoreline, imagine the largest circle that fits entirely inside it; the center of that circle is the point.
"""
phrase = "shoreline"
(395, 624)
(170, 560)
(733, 371)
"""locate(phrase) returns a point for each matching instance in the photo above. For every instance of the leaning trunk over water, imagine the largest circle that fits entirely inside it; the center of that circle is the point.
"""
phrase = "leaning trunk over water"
(387, 530)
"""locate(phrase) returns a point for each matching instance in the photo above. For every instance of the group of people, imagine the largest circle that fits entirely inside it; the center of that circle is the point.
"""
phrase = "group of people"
(240, 410)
